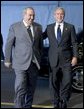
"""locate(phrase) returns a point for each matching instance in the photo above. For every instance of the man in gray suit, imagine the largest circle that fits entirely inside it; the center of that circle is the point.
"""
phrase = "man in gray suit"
(23, 51)
(62, 57)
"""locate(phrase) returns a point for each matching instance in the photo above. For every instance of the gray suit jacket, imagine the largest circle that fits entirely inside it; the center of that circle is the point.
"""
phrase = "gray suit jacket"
(61, 52)
(19, 47)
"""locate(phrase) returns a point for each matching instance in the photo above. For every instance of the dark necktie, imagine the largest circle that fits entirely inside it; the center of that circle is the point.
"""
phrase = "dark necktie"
(30, 33)
(58, 33)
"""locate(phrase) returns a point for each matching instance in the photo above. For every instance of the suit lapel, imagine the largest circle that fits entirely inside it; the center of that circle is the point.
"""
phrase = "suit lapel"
(35, 31)
(53, 32)
(25, 32)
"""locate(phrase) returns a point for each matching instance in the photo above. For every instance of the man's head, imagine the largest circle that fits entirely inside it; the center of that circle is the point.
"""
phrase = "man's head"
(59, 14)
(28, 15)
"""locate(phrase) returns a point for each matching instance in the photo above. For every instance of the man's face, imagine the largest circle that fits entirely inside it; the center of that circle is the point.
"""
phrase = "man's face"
(59, 15)
(29, 16)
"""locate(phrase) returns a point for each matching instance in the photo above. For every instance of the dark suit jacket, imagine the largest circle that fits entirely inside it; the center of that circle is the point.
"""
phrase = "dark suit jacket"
(20, 46)
(63, 50)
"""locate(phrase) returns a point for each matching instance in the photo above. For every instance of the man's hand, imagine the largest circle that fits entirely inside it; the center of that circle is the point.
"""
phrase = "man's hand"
(7, 64)
(74, 61)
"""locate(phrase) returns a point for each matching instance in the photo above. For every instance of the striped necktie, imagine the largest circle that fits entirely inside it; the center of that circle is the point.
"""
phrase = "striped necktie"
(30, 33)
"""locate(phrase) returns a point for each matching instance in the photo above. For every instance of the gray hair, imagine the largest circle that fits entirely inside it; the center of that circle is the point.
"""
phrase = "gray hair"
(25, 10)
(60, 8)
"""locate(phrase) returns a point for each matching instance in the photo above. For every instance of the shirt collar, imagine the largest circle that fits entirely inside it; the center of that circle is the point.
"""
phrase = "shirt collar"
(26, 25)
(59, 23)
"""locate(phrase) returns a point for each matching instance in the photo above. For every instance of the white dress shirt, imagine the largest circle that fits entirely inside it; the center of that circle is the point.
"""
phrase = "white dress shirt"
(61, 27)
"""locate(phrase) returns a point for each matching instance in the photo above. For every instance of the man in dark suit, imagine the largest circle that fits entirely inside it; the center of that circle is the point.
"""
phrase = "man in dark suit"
(24, 45)
(61, 37)
(2, 54)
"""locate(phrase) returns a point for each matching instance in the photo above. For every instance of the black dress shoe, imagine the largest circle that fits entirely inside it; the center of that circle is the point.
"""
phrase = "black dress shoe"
(56, 106)
(63, 104)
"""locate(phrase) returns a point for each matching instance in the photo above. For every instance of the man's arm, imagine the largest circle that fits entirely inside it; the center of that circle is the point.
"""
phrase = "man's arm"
(74, 46)
(44, 34)
(8, 47)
